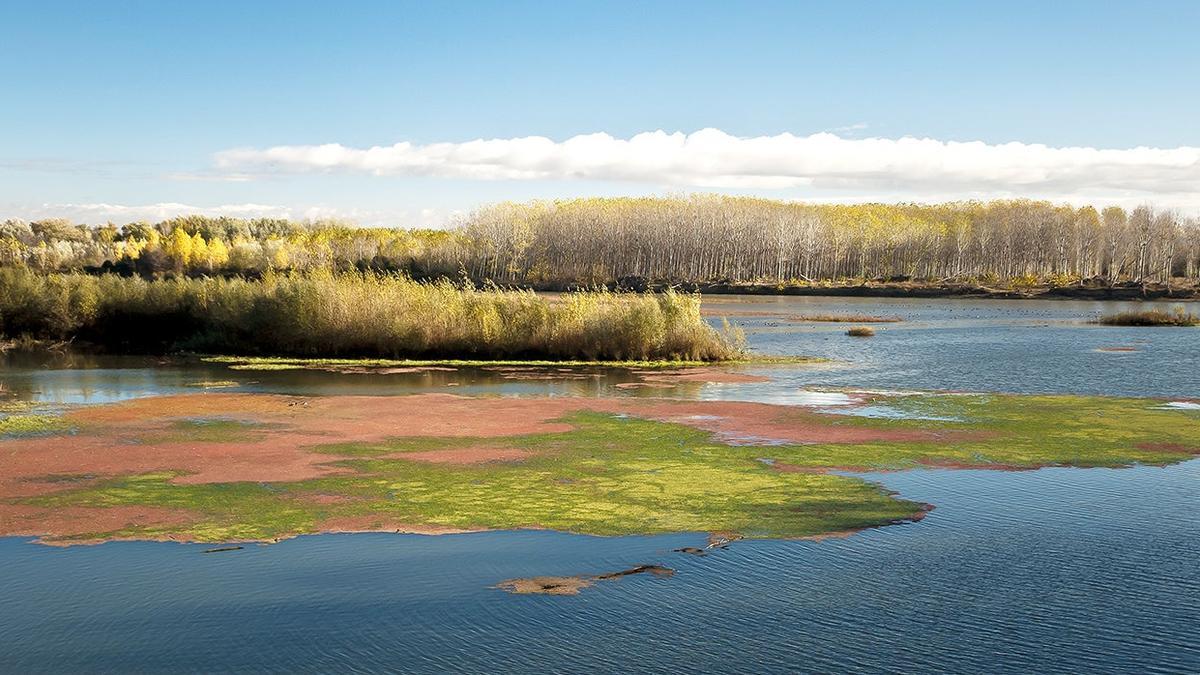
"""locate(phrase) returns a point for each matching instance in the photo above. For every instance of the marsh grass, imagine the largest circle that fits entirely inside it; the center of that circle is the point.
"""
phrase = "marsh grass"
(861, 331)
(1153, 317)
(357, 315)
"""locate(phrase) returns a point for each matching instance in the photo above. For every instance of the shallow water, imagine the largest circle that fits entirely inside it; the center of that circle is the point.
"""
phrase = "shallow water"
(1057, 570)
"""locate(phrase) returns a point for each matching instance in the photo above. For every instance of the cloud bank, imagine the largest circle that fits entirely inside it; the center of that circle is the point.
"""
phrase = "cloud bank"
(711, 158)
(127, 213)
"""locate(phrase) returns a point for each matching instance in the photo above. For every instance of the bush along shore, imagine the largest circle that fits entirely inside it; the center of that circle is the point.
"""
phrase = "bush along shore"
(355, 315)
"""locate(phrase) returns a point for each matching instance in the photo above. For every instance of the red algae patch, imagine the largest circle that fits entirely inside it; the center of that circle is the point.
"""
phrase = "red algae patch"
(67, 522)
(465, 456)
(128, 438)
(705, 375)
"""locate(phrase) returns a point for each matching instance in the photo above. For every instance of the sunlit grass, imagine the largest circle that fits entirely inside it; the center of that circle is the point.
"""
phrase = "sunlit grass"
(1153, 317)
(364, 315)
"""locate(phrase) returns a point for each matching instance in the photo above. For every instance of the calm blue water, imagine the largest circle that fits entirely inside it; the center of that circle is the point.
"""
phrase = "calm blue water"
(1059, 570)
(1021, 346)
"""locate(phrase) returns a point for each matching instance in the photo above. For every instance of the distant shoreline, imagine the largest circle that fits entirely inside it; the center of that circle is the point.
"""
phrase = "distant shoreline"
(917, 289)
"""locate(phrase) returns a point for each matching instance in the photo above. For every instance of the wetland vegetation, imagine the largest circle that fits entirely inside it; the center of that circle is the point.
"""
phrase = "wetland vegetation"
(231, 467)
(356, 314)
(1153, 317)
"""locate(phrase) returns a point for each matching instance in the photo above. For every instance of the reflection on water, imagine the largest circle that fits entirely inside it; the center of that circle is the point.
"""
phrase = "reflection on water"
(1058, 570)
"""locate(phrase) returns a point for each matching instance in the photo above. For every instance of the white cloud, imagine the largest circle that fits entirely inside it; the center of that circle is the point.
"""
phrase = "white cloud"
(825, 163)
(94, 213)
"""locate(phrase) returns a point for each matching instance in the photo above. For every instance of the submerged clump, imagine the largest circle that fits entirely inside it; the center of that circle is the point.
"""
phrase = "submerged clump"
(572, 585)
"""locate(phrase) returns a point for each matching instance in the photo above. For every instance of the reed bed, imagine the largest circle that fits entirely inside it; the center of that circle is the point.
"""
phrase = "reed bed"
(1153, 317)
(356, 315)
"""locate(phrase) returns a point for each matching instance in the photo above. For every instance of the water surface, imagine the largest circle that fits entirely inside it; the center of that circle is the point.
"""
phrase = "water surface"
(1058, 570)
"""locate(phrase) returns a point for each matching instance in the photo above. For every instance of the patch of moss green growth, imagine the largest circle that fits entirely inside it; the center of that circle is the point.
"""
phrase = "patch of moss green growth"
(32, 425)
(209, 430)
(1019, 432)
(225, 511)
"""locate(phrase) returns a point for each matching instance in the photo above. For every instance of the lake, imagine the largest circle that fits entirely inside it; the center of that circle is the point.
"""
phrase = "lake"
(1055, 570)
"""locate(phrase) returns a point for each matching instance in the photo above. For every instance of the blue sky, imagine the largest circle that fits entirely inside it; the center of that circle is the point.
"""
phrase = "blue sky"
(122, 110)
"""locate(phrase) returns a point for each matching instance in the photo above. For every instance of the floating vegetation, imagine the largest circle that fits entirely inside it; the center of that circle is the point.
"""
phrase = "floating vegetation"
(256, 467)
(861, 331)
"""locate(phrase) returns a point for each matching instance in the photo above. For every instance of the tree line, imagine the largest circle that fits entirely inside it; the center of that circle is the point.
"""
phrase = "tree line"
(698, 239)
